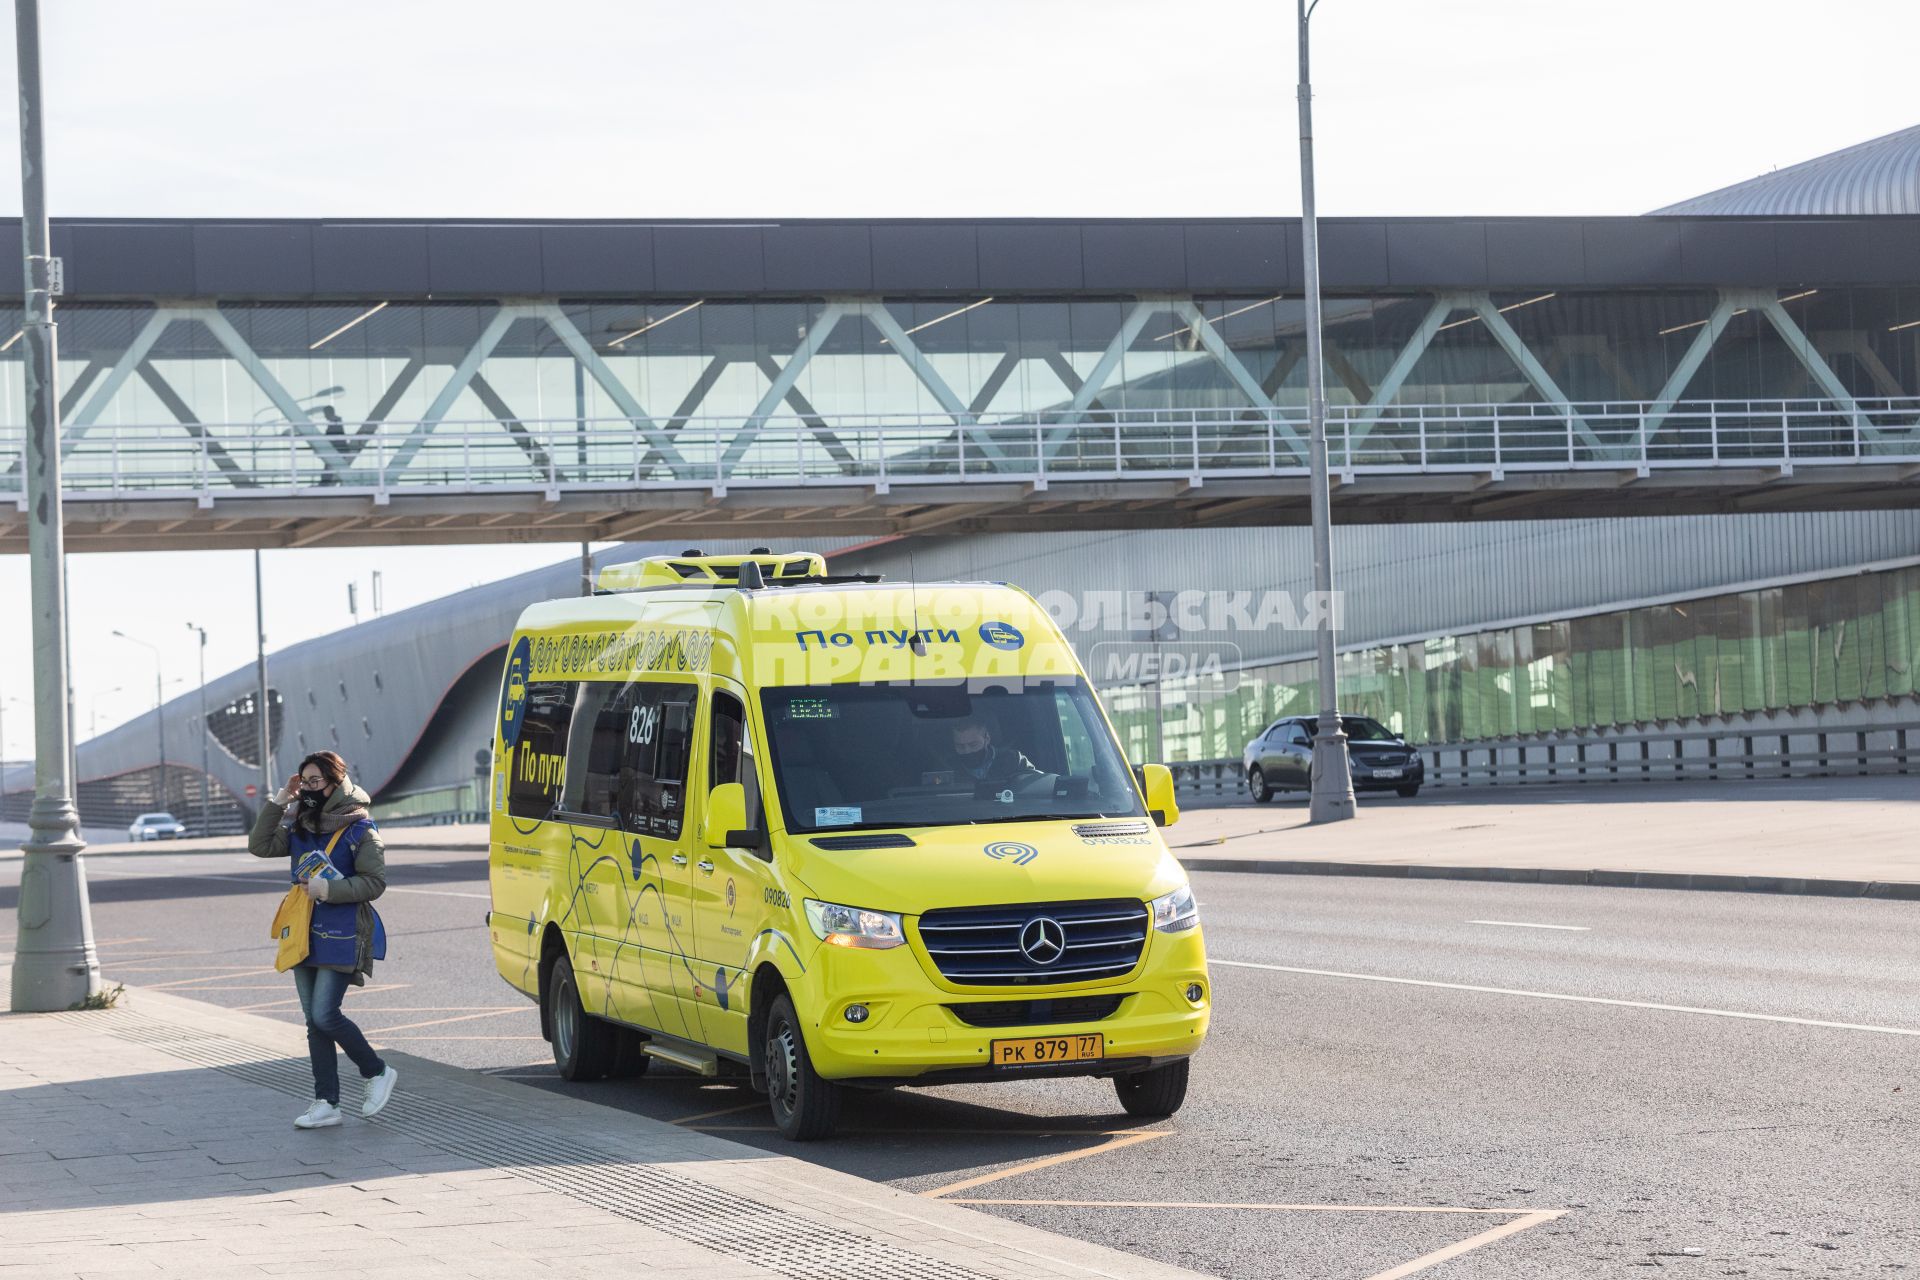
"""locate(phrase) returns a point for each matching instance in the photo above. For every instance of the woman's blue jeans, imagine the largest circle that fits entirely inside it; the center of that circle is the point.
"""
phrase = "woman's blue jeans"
(321, 991)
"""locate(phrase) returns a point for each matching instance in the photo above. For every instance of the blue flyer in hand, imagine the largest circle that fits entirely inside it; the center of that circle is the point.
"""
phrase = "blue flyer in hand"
(315, 863)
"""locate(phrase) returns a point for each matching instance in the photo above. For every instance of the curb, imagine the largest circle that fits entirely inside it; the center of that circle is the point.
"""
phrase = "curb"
(1901, 890)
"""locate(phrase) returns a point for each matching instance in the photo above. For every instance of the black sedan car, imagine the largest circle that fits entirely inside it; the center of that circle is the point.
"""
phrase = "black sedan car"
(1281, 759)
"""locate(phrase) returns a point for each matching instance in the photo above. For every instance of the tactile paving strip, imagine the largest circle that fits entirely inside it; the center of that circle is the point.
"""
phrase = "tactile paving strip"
(725, 1223)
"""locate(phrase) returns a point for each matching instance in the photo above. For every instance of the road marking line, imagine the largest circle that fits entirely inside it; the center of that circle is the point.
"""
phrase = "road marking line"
(755, 1105)
(1114, 1142)
(209, 970)
(1471, 1243)
(212, 977)
(1521, 924)
(359, 1008)
(439, 1022)
(265, 881)
(1553, 995)
(443, 893)
(920, 1130)
(496, 1039)
(1229, 1204)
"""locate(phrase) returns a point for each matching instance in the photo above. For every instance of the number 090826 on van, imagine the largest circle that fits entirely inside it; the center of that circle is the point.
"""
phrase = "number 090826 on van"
(839, 833)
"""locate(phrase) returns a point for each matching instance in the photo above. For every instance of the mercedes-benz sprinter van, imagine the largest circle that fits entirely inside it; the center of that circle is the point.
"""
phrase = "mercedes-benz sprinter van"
(839, 832)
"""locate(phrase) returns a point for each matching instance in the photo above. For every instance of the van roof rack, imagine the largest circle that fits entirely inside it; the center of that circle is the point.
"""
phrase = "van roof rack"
(776, 569)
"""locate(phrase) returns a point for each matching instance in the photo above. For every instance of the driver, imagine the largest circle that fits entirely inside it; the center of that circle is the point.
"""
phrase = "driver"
(974, 756)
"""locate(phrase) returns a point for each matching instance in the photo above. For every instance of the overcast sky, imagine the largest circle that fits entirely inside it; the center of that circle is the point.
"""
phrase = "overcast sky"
(645, 108)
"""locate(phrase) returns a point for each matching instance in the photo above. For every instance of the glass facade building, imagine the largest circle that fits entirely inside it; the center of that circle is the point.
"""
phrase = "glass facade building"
(1824, 643)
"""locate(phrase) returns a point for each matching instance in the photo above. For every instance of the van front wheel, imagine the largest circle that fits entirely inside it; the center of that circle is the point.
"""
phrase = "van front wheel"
(583, 1046)
(1157, 1091)
(805, 1106)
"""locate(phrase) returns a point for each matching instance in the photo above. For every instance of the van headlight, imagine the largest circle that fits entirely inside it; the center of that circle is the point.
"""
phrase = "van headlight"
(1176, 911)
(854, 926)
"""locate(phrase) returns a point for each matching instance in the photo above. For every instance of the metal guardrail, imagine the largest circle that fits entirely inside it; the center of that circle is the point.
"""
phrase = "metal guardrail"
(136, 460)
(1757, 753)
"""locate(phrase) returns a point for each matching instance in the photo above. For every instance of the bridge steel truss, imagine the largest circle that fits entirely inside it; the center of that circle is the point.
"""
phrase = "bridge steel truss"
(785, 465)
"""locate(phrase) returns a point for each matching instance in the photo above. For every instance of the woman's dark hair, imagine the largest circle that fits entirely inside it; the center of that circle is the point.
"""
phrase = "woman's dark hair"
(330, 765)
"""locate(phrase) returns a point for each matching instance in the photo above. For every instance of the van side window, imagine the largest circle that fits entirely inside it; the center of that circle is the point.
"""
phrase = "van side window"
(539, 761)
(730, 751)
(631, 763)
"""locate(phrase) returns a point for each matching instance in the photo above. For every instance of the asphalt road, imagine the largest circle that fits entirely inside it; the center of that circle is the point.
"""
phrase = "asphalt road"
(1386, 1056)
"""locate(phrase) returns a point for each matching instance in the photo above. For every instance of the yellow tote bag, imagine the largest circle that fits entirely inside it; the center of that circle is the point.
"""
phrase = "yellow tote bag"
(293, 922)
(291, 925)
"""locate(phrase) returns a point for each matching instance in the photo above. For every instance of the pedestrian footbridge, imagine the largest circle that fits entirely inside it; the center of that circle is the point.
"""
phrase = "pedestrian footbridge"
(140, 485)
(233, 383)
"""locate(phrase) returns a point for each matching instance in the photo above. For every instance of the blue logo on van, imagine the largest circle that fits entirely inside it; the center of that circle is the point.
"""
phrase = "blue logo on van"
(1011, 850)
(1001, 635)
(513, 702)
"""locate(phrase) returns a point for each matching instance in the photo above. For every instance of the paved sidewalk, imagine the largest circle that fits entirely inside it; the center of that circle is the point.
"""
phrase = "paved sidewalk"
(1817, 835)
(156, 1138)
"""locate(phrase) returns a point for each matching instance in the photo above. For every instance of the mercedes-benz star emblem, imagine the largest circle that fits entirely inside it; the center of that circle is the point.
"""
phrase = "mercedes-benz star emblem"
(1043, 940)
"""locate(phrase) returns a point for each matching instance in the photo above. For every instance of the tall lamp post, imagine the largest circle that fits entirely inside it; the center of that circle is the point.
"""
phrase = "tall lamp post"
(206, 760)
(159, 720)
(262, 713)
(54, 963)
(1331, 799)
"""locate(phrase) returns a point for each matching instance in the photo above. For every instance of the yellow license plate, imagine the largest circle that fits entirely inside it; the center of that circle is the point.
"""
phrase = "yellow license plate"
(1033, 1049)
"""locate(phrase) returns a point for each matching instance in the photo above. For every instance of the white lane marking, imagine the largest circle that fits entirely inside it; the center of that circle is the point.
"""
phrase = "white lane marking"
(1468, 1245)
(256, 880)
(1522, 924)
(1552, 995)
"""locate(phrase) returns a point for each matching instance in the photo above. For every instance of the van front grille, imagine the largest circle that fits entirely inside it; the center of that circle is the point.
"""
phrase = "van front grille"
(1036, 943)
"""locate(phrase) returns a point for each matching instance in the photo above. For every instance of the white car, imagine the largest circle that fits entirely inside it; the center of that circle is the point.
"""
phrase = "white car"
(156, 826)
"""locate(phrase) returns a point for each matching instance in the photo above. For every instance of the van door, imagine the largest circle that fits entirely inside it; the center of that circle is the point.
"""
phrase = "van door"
(527, 871)
(624, 801)
(733, 889)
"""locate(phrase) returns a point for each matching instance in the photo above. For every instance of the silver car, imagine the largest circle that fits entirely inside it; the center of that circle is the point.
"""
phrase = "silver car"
(156, 826)
(1281, 759)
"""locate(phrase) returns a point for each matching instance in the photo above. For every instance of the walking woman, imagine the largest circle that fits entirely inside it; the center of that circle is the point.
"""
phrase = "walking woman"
(330, 820)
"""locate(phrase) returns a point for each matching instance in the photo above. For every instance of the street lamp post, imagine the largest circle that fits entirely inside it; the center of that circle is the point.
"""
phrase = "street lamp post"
(1331, 798)
(93, 708)
(54, 963)
(159, 720)
(206, 760)
(261, 711)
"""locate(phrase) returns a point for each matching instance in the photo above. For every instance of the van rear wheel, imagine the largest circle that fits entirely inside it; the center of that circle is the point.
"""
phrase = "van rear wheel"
(1157, 1091)
(805, 1106)
(584, 1047)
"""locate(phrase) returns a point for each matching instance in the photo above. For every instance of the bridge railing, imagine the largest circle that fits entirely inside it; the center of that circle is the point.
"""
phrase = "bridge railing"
(150, 459)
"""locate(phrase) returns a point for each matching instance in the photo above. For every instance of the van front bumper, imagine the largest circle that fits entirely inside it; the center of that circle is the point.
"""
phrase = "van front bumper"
(911, 1033)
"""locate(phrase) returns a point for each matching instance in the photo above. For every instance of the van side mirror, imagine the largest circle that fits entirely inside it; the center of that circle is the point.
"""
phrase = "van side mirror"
(726, 825)
(1156, 780)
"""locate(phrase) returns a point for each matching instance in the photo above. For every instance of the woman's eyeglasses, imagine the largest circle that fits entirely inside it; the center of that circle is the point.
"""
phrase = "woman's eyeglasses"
(312, 784)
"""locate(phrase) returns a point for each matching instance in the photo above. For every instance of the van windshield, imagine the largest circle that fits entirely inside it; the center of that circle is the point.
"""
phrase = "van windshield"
(850, 756)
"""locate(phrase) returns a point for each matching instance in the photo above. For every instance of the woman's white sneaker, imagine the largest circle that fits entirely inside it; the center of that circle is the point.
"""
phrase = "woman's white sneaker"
(321, 1115)
(379, 1089)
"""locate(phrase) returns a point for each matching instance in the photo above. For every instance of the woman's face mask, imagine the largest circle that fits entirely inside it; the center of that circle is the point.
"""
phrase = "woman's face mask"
(312, 799)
